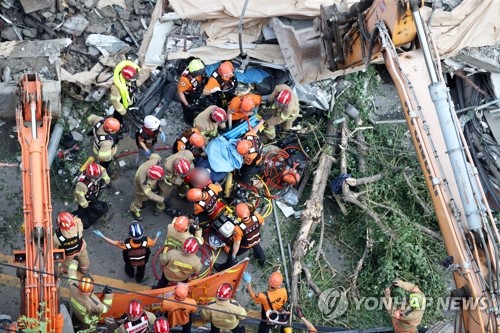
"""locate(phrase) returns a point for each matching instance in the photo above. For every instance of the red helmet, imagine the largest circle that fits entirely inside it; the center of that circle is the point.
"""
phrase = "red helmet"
(197, 140)
(155, 172)
(161, 325)
(242, 211)
(199, 177)
(284, 97)
(181, 223)
(182, 166)
(247, 104)
(194, 194)
(129, 73)
(111, 125)
(224, 292)
(291, 177)
(218, 115)
(86, 285)
(243, 146)
(226, 70)
(181, 291)
(93, 171)
(276, 279)
(190, 245)
(66, 221)
(135, 310)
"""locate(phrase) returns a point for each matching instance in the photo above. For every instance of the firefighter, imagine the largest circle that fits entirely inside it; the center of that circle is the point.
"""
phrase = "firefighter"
(221, 85)
(192, 140)
(136, 249)
(190, 88)
(204, 200)
(406, 319)
(224, 313)
(178, 232)
(161, 325)
(246, 236)
(86, 307)
(180, 265)
(69, 236)
(180, 314)
(136, 320)
(176, 166)
(105, 138)
(124, 87)
(273, 299)
(242, 107)
(250, 147)
(147, 182)
(146, 137)
(210, 121)
(87, 192)
(284, 110)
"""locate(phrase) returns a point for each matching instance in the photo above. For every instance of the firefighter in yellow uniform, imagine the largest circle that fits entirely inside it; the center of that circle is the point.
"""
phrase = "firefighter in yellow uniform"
(209, 121)
(406, 320)
(105, 138)
(136, 320)
(124, 86)
(285, 109)
(86, 307)
(147, 182)
(178, 233)
(69, 236)
(176, 166)
(232, 312)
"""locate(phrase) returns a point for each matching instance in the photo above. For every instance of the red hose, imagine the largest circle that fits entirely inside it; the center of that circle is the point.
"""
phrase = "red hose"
(127, 153)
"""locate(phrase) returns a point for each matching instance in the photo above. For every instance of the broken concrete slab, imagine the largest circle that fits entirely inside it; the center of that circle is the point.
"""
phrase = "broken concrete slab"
(105, 44)
(75, 25)
(155, 54)
(30, 6)
(33, 49)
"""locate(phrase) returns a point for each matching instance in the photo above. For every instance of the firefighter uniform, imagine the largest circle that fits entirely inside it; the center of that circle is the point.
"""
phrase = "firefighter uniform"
(227, 89)
(145, 187)
(104, 145)
(251, 160)
(210, 200)
(122, 95)
(178, 267)
(191, 88)
(205, 125)
(172, 179)
(406, 321)
(87, 193)
(285, 114)
(87, 309)
(74, 246)
(141, 325)
(148, 138)
(234, 106)
(179, 314)
(136, 254)
(175, 238)
(227, 320)
(183, 143)
(270, 300)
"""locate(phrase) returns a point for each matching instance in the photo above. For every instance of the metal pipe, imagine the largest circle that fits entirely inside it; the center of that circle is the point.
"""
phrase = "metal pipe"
(240, 29)
(285, 268)
(425, 45)
(55, 138)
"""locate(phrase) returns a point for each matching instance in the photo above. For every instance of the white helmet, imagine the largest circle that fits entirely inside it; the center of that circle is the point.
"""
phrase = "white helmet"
(151, 122)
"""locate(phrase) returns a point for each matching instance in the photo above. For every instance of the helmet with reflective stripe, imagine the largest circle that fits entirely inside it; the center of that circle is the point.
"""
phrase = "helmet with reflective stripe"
(161, 325)
(224, 292)
(111, 125)
(182, 166)
(247, 104)
(242, 211)
(151, 122)
(66, 221)
(218, 115)
(284, 97)
(129, 73)
(197, 140)
(275, 279)
(135, 310)
(93, 171)
(196, 67)
(243, 146)
(199, 177)
(181, 223)
(226, 69)
(291, 177)
(86, 285)
(190, 245)
(194, 194)
(135, 230)
(181, 291)
(155, 172)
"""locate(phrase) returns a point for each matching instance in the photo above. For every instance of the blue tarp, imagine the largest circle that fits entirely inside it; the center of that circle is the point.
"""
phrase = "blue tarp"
(222, 155)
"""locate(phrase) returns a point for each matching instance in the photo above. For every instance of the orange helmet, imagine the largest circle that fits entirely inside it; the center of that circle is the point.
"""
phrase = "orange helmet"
(243, 146)
(93, 171)
(155, 172)
(161, 325)
(111, 125)
(194, 194)
(129, 73)
(199, 177)
(291, 177)
(242, 211)
(218, 115)
(224, 292)
(181, 223)
(275, 279)
(182, 166)
(226, 70)
(190, 245)
(86, 285)
(66, 221)
(181, 291)
(197, 140)
(284, 97)
(247, 104)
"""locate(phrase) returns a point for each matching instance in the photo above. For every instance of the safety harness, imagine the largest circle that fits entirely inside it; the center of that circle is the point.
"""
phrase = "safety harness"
(71, 245)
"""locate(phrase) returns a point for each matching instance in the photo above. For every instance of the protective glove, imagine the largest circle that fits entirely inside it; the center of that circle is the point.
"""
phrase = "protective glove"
(107, 290)
(267, 116)
(158, 233)
(108, 185)
(247, 277)
(148, 153)
(166, 200)
(298, 312)
(163, 137)
(98, 233)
